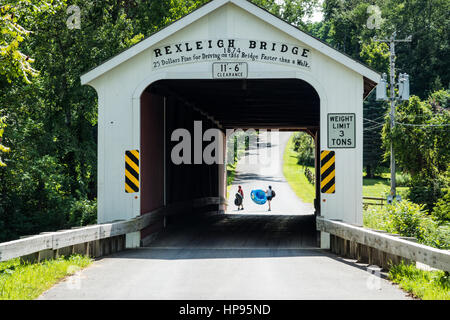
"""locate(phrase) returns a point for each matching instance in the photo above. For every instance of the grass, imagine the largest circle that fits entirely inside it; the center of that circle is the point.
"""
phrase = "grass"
(426, 285)
(379, 187)
(27, 281)
(372, 187)
(294, 174)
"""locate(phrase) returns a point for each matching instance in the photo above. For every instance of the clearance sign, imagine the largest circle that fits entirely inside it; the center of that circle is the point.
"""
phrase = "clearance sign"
(341, 130)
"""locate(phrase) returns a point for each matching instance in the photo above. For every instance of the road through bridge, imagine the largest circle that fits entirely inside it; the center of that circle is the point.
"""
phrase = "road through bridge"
(249, 254)
(231, 257)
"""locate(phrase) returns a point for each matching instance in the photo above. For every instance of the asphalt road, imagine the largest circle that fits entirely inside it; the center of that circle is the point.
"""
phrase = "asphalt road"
(247, 254)
(245, 273)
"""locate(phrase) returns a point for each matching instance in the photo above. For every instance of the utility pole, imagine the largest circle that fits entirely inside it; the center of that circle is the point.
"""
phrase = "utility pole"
(404, 95)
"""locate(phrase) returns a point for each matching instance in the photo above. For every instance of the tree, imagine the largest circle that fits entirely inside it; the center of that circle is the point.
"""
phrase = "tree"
(50, 182)
(420, 141)
(376, 55)
(2, 147)
(426, 59)
(304, 145)
(13, 63)
(295, 12)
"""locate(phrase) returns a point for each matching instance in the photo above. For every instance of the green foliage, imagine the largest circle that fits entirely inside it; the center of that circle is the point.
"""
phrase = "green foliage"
(421, 146)
(294, 174)
(425, 59)
(304, 146)
(376, 55)
(410, 220)
(2, 147)
(237, 144)
(26, 281)
(83, 212)
(406, 219)
(441, 210)
(50, 181)
(426, 285)
(373, 112)
(427, 189)
(14, 63)
(295, 12)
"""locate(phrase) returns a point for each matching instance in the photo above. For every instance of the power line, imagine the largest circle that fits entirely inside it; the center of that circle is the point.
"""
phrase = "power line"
(382, 123)
(374, 127)
(380, 117)
(423, 125)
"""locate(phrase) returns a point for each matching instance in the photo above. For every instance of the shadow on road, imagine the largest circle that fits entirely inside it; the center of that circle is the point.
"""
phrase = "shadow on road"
(244, 177)
(234, 236)
(207, 253)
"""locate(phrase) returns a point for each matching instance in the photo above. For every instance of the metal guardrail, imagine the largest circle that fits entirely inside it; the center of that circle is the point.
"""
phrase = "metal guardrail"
(436, 258)
(80, 235)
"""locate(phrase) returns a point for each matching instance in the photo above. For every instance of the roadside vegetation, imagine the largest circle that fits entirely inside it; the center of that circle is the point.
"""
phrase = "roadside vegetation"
(410, 220)
(379, 186)
(237, 144)
(297, 161)
(295, 172)
(426, 285)
(26, 281)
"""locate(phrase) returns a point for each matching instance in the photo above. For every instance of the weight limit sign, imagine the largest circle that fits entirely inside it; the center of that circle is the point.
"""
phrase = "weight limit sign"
(341, 130)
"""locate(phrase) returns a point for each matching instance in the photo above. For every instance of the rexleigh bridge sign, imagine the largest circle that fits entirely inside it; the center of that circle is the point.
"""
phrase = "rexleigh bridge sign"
(231, 50)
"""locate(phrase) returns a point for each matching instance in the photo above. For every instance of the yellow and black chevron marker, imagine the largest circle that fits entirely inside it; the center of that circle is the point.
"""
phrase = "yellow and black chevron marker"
(131, 171)
(327, 171)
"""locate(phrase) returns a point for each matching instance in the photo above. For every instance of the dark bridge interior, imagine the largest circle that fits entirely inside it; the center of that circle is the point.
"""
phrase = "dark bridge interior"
(166, 105)
(265, 103)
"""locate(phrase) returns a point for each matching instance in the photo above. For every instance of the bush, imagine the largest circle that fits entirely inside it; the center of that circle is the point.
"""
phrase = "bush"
(410, 220)
(403, 180)
(435, 235)
(304, 145)
(427, 189)
(441, 211)
(83, 212)
(406, 218)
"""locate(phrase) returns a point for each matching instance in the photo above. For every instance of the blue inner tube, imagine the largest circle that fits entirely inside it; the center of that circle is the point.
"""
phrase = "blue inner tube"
(258, 196)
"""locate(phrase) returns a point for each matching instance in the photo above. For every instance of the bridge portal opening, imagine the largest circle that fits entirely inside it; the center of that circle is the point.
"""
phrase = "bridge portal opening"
(191, 188)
